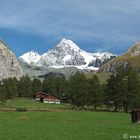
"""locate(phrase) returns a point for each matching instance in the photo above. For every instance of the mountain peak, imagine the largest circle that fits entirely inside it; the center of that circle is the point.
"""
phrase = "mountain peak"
(30, 57)
(66, 43)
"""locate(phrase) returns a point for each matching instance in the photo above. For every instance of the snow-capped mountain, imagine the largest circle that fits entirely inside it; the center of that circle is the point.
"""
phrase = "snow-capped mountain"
(103, 55)
(101, 58)
(67, 54)
(30, 57)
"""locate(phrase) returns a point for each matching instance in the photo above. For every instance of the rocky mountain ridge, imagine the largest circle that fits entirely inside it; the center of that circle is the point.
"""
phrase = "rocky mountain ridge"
(131, 57)
(9, 64)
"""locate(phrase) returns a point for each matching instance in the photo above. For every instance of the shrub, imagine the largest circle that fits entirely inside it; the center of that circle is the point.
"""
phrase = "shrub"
(21, 109)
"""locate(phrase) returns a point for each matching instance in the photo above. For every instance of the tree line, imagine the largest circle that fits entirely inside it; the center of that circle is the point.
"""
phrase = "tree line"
(121, 91)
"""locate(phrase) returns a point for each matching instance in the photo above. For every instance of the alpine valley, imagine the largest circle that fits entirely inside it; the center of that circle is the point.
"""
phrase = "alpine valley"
(65, 58)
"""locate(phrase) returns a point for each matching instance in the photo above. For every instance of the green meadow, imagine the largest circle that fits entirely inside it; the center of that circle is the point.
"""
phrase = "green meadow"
(32, 104)
(64, 124)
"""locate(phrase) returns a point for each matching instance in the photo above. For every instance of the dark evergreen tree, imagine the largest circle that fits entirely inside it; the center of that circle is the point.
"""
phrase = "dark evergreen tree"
(55, 86)
(60, 84)
(25, 87)
(112, 96)
(95, 92)
(123, 88)
(128, 86)
(2, 93)
(10, 87)
(36, 86)
(78, 89)
(133, 94)
(49, 85)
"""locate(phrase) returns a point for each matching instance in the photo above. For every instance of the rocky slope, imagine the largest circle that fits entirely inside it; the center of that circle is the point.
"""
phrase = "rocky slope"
(9, 65)
(132, 56)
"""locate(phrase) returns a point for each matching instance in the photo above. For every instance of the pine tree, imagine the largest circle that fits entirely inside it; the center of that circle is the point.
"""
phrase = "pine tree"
(95, 92)
(2, 93)
(133, 95)
(54, 85)
(60, 86)
(112, 94)
(49, 85)
(25, 87)
(36, 86)
(10, 87)
(123, 88)
(78, 89)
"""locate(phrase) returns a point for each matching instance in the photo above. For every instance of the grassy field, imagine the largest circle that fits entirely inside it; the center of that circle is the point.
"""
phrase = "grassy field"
(32, 104)
(64, 124)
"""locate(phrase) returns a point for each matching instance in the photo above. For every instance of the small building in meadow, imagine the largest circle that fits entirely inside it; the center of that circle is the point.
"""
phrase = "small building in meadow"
(51, 99)
(40, 95)
(46, 98)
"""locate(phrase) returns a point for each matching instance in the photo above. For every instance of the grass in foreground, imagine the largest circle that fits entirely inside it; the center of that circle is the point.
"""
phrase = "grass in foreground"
(64, 125)
(68, 125)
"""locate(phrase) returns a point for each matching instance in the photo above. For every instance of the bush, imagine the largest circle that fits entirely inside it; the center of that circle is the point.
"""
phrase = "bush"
(21, 109)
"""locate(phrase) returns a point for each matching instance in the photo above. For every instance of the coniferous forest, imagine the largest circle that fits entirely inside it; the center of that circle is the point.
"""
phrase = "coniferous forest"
(120, 92)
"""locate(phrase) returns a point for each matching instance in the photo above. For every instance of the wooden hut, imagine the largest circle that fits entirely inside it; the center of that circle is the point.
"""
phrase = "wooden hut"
(40, 95)
(135, 116)
(51, 99)
(46, 98)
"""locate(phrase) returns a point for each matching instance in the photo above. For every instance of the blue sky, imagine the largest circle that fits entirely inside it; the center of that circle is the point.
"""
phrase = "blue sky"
(95, 25)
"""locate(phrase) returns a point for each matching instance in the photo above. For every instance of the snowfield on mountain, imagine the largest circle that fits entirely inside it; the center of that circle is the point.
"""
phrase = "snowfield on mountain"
(67, 54)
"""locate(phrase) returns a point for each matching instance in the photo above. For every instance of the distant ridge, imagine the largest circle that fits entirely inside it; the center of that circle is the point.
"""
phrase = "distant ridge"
(132, 56)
